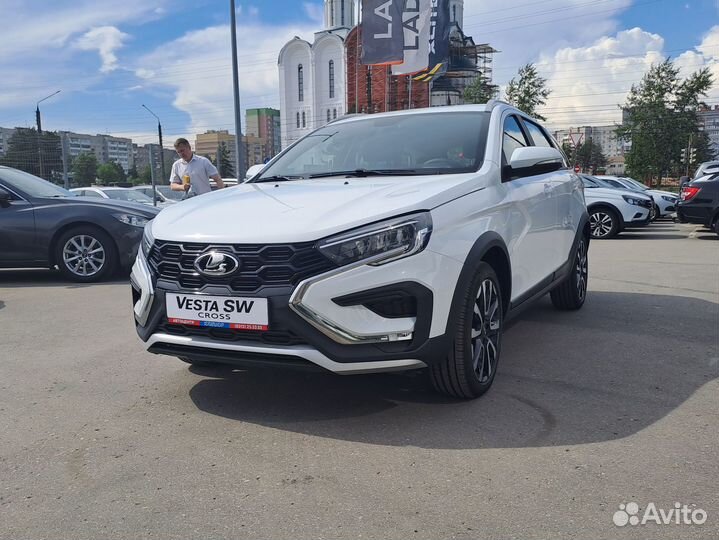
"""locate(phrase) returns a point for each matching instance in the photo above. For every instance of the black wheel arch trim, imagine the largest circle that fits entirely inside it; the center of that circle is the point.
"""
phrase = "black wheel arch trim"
(485, 244)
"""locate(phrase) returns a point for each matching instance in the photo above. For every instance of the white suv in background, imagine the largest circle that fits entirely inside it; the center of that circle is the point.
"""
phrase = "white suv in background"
(376, 243)
(611, 209)
(665, 202)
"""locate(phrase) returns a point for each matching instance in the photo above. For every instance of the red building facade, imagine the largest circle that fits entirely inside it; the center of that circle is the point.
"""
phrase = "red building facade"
(373, 89)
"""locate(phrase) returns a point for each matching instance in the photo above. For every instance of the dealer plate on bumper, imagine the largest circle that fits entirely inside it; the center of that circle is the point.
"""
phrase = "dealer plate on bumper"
(217, 311)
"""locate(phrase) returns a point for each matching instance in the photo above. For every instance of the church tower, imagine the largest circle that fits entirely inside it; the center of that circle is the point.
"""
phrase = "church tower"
(339, 14)
(456, 12)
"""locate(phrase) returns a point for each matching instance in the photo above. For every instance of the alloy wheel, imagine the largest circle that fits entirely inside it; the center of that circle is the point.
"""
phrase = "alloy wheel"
(486, 329)
(601, 224)
(84, 255)
(582, 269)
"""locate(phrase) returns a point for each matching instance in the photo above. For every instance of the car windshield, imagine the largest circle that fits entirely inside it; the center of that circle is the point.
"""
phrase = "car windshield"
(127, 195)
(593, 182)
(635, 183)
(409, 144)
(169, 194)
(32, 185)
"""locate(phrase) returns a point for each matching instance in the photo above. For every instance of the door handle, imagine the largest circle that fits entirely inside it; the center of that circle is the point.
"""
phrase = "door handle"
(547, 189)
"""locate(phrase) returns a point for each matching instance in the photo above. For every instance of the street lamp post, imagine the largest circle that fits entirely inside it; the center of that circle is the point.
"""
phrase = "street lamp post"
(239, 157)
(39, 132)
(162, 155)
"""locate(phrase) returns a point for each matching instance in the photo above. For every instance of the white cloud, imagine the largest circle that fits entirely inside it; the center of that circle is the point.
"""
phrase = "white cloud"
(315, 12)
(202, 81)
(35, 52)
(588, 83)
(106, 40)
(524, 31)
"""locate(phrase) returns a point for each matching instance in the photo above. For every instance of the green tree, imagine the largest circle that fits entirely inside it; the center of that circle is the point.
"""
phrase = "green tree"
(145, 176)
(480, 91)
(224, 163)
(661, 117)
(132, 174)
(568, 150)
(84, 169)
(528, 91)
(590, 157)
(22, 152)
(111, 173)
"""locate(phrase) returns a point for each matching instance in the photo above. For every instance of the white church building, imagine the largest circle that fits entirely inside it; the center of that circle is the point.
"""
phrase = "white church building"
(313, 75)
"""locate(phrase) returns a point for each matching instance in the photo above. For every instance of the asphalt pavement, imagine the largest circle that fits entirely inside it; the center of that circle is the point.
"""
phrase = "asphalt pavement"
(614, 404)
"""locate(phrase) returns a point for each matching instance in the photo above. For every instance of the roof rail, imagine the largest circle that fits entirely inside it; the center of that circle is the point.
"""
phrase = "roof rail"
(492, 103)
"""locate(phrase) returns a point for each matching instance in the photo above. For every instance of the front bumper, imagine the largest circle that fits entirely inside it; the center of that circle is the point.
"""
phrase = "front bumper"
(640, 218)
(323, 322)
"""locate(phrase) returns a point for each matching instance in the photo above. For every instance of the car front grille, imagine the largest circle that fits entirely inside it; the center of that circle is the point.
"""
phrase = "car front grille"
(261, 266)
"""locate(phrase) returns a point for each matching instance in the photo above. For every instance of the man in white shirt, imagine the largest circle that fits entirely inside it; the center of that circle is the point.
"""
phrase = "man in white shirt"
(192, 173)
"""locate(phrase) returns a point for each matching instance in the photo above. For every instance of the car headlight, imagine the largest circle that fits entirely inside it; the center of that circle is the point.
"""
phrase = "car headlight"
(132, 219)
(632, 200)
(670, 199)
(147, 240)
(380, 243)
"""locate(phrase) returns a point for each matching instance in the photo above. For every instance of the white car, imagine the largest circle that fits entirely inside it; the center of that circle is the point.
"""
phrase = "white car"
(163, 192)
(376, 243)
(611, 209)
(114, 193)
(665, 202)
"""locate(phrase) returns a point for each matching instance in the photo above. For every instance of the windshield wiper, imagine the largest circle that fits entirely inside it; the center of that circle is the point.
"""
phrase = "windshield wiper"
(278, 178)
(363, 173)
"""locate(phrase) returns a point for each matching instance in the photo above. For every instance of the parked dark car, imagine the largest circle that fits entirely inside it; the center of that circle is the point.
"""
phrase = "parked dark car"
(43, 225)
(700, 201)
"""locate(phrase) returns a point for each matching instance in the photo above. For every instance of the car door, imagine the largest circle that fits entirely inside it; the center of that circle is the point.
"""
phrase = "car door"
(17, 231)
(533, 243)
(564, 191)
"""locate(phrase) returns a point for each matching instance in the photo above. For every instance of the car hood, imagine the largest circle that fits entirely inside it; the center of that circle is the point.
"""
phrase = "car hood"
(107, 204)
(303, 210)
(610, 193)
(659, 193)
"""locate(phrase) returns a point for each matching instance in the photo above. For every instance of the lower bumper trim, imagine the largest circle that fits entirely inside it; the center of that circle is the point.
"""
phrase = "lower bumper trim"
(254, 353)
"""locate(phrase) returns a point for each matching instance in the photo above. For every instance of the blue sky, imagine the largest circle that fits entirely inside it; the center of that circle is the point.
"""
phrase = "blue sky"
(174, 56)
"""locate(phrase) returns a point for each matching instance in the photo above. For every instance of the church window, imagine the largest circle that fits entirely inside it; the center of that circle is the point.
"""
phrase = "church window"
(332, 79)
(300, 83)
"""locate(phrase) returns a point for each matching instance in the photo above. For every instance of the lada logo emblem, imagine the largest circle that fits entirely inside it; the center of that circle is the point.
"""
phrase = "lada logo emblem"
(216, 264)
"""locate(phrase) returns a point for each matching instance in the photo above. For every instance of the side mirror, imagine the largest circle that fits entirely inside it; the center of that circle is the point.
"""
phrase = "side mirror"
(534, 160)
(4, 198)
(254, 171)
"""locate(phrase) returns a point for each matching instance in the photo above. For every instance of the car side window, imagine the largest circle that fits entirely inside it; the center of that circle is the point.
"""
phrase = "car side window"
(90, 193)
(539, 138)
(512, 138)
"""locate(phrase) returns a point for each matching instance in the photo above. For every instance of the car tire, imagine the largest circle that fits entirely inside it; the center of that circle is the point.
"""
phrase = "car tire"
(571, 293)
(716, 225)
(654, 213)
(603, 223)
(86, 254)
(469, 368)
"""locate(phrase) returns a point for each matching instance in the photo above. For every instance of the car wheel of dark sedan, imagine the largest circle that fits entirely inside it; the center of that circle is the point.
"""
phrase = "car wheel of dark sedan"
(603, 223)
(85, 254)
